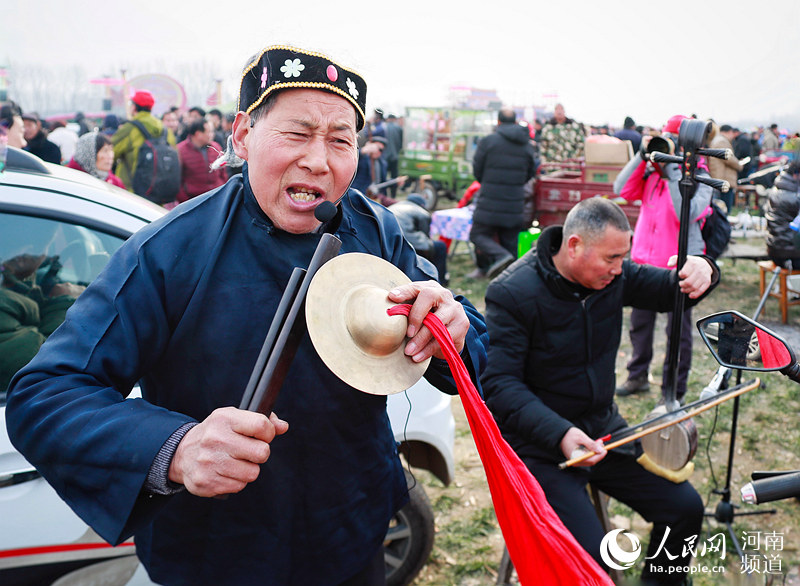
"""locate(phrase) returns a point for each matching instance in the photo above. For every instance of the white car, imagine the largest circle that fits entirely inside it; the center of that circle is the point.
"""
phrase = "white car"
(52, 210)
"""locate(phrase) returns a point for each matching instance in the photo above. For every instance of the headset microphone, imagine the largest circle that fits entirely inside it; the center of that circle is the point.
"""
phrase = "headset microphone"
(325, 211)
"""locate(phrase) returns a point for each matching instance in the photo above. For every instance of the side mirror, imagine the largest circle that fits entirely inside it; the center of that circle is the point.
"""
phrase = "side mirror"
(736, 341)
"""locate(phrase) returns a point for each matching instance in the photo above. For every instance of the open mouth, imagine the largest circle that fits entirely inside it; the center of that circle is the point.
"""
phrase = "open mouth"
(302, 194)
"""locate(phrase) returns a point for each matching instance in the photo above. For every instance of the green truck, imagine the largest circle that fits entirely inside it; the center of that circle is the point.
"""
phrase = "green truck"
(438, 145)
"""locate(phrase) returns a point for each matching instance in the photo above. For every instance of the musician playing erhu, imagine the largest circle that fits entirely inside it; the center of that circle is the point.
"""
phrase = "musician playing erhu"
(184, 307)
(554, 320)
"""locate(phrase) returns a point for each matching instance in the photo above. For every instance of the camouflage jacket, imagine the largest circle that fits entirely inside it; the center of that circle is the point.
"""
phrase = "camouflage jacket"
(562, 141)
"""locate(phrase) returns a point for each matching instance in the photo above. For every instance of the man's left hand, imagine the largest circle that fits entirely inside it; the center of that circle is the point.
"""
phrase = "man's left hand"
(695, 275)
(430, 296)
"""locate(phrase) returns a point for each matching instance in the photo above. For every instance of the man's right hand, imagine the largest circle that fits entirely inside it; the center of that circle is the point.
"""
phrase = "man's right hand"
(222, 454)
(574, 440)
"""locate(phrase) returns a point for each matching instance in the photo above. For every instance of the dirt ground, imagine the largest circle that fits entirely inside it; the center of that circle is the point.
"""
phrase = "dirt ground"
(470, 492)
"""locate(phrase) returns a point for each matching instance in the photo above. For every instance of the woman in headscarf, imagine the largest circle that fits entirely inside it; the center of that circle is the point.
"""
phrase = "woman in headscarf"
(94, 154)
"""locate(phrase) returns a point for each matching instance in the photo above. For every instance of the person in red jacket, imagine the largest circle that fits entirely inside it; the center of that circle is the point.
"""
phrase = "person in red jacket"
(196, 174)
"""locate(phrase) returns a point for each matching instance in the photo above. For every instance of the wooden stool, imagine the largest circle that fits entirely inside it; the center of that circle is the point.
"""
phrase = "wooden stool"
(767, 266)
(600, 501)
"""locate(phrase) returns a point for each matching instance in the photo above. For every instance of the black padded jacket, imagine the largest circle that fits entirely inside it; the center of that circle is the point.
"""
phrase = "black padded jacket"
(783, 204)
(553, 347)
(504, 161)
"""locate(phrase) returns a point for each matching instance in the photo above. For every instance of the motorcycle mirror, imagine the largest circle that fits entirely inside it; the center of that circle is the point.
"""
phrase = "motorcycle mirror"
(736, 341)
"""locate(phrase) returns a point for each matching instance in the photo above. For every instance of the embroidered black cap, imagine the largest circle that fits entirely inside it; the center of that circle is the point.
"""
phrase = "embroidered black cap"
(282, 67)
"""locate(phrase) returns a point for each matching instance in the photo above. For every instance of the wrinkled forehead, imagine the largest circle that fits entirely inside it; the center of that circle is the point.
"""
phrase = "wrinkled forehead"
(312, 109)
(615, 242)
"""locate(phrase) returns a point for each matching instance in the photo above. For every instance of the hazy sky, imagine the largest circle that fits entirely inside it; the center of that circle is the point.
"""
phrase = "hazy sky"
(735, 60)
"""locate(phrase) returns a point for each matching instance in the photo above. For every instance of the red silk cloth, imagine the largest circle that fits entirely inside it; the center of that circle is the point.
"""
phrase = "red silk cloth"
(544, 552)
(773, 352)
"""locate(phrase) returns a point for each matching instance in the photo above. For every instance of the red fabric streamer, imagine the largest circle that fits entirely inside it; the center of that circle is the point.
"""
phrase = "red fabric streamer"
(466, 199)
(544, 552)
(773, 352)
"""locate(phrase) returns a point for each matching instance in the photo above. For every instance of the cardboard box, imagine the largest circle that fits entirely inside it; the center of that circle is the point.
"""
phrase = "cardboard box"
(608, 153)
(601, 173)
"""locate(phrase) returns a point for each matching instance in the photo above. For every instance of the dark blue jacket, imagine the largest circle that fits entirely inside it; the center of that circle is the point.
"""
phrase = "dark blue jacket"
(363, 178)
(184, 306)
(631, 135)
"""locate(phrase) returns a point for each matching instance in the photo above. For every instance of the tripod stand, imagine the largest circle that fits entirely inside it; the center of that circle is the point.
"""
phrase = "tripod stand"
(725, 511)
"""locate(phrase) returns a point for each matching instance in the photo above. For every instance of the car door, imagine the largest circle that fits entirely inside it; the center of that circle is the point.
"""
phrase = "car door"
(47, 258)
(60, 242)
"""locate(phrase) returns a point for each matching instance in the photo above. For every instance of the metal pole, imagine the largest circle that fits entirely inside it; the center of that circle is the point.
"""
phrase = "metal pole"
(687, 188)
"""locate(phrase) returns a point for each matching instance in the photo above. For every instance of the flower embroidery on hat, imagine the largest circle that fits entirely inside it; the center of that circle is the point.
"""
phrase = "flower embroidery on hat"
(292, 68)
(351, 86)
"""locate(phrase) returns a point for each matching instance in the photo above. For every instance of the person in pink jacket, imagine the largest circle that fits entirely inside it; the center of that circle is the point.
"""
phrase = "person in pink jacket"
(655, 240)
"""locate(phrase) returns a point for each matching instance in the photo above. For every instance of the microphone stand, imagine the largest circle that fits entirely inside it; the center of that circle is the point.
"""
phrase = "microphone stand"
(725, 511)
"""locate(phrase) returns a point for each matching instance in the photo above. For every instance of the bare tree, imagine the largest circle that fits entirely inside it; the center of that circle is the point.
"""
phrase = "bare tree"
(55, 90)
(51, 90)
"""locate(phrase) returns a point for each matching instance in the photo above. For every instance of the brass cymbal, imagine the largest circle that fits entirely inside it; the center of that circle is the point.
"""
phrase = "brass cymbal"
(346, 316)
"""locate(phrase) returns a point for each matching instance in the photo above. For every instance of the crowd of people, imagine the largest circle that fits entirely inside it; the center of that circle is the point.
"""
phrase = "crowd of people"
(308, 489)
(555, 140)
(560, 138)
(111, 150)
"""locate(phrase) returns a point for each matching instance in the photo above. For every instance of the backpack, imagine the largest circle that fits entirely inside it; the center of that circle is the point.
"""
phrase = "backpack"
(158, 169)
(716, 231)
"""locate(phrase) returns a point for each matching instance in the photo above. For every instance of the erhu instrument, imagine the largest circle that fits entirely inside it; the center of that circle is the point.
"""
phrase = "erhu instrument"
(668, 435)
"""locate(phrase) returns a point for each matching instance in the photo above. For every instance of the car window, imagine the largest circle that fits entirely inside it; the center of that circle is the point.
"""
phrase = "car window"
(45, 264)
